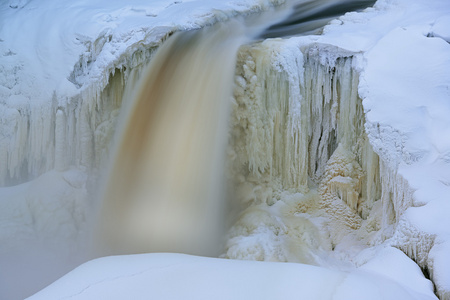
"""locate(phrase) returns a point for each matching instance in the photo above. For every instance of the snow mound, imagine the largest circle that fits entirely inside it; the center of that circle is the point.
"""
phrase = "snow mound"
(176, 276)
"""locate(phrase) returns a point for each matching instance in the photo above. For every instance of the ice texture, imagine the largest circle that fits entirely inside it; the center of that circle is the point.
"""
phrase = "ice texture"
(289, 91)
(298, 123)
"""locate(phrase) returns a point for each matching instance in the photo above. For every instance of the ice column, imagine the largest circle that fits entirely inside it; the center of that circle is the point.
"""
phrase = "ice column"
(293, 107)
(268, 140)
(39, 136)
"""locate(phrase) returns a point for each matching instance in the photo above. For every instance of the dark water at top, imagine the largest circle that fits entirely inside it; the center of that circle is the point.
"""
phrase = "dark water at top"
(309, 17)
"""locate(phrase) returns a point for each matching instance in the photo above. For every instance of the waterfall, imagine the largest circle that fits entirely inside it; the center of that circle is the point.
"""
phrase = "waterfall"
(165, 190)
(280, 121)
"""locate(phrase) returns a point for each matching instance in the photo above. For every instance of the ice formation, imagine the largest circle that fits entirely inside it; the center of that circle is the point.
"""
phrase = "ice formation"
(298, 124)
(292, 111)
(52, 135)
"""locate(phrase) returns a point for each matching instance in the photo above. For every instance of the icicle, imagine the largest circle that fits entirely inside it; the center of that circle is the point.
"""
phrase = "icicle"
(287, 124)
(267, 121)
(60, 141)
(396, 195)
(82, 126)
(3, 162)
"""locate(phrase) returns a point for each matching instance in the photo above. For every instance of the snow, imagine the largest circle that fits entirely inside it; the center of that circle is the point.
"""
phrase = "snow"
(94, 35)
(42, 223)
(440, 28)
(406, 90)
(176, 276)
(300, 202)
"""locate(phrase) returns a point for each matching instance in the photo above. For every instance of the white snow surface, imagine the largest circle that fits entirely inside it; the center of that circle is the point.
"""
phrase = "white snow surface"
(177, 276)
(41, 42)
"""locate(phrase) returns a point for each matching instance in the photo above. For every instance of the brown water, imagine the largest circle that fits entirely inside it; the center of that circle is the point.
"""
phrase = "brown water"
(166, 188)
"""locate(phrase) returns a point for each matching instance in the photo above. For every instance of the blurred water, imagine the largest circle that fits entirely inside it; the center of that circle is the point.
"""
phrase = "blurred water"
(166, 187)
(308, 17)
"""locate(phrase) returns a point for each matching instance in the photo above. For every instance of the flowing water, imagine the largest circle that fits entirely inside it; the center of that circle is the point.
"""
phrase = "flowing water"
(166, 189)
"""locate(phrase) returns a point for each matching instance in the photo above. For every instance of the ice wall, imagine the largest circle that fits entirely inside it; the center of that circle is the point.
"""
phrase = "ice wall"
(293, 107)
(298, 125)
(63, 132)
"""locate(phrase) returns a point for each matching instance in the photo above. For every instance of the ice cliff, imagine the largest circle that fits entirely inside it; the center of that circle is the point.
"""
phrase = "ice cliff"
(350, 118)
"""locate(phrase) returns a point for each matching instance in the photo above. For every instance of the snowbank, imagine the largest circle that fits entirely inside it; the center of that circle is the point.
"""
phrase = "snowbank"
(91, 38)
(175, 276)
